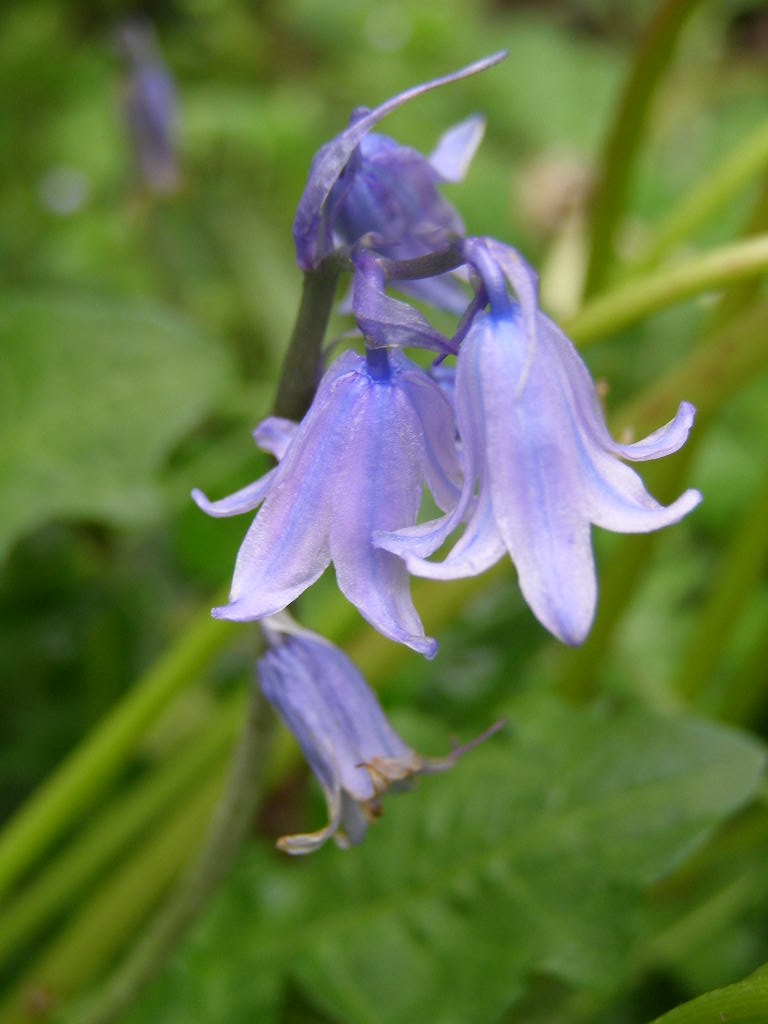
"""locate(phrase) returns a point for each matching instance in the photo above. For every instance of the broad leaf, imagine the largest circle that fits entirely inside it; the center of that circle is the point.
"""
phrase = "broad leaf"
(93, 395)
(530, 857)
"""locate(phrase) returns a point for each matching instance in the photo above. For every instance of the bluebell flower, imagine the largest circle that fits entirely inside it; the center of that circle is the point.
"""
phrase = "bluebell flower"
(540, 465)
(342, 731)
(377, 429)
(368, 186)
(150, 108)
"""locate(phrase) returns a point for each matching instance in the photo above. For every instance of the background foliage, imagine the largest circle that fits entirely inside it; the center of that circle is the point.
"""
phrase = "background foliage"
(604, 858)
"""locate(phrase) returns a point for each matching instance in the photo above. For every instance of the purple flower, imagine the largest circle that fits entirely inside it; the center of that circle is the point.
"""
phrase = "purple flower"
(535, 444)
(361, 184)
(343, 733)
(378, 428)
(150, 108)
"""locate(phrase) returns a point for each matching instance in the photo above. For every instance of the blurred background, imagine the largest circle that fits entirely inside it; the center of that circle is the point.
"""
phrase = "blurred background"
(151, 162)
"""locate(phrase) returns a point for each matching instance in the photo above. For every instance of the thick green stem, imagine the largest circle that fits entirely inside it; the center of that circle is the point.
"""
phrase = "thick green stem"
(91, 767)
(703, 202)
(113, 913)
(707, 378)
(301, 368)
(626, 133)
(742, 565)
(226, 832)
(627, 303)
(123, 821)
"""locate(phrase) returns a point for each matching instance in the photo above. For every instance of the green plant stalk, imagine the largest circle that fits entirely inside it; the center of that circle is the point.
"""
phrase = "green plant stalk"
(114, 830)
(745, 696)
(625, 135)
(111, 916)
(86, 773)
(630, 302)
(741, 567)
(746, 1002)
(707, 377)
(742, 293)
(225, 834)
(717, 188)
(706, 373)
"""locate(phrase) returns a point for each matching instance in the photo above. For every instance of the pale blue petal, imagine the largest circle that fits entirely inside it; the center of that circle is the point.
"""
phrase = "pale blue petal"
(455, 148)
(577, 384)
(244, 500)
(379, 489)
(286, 548)
(535, 485)
(441, 462)
(274, 434)
(340, 727)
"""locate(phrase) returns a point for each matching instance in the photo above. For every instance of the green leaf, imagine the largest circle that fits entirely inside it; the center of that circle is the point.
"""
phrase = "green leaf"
(93, 395)
(531, 857)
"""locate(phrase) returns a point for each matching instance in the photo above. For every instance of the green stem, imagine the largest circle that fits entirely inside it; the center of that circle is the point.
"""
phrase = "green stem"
(299, 375)
(237, 805)
(113, 831)
(742, 566)
(717, 188)
(708, 377)
(626, 133)
(226, 832)
(627, 303)
(742, 293)
(111, 916)
(746, 1002)
(744, 699)
(91, 767)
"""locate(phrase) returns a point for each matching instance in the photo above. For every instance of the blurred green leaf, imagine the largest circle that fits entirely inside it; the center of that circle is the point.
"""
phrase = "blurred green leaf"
(94, 393)
(530, 858)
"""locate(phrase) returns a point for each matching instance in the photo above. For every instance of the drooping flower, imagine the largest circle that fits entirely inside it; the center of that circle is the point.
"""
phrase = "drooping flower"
(342, 731)
(150, 108)
(377, 429)
(368, 185)
(536, 447)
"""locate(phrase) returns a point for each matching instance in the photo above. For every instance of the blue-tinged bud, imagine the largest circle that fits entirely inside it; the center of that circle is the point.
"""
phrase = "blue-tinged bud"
(342, 731)
(360, 184)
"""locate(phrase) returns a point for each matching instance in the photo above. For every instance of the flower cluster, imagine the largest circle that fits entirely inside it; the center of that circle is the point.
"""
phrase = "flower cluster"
(511, 442)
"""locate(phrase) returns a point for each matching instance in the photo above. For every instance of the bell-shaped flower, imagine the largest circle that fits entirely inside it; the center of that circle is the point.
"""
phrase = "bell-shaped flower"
(150, 108)
(342, 731)
(362, 185)
(540, 464)
(378, 428)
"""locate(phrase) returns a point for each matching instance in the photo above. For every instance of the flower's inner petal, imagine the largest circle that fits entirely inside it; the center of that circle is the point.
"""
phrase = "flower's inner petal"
(244, 500)
(274, 434)
(443, 292)
(354, 823)
(385, 321)
(456, 147)
(480, 545)
(441, 468)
